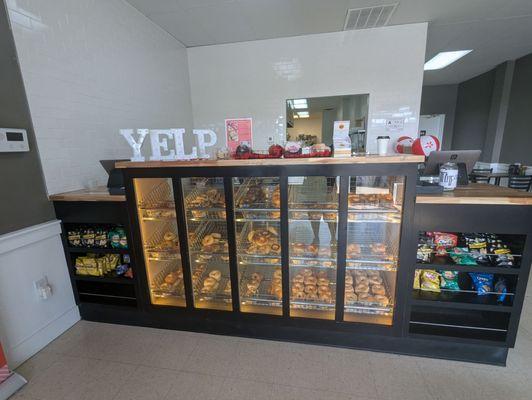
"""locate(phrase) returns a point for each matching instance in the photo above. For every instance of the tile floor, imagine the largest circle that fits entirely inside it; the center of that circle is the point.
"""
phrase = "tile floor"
(102, 361)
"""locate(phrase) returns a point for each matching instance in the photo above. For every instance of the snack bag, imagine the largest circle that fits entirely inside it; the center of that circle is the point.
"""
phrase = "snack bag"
(417, 274)
(502, 288)
(114, 238)
(74, 237)
(477, 246)
(462, 256)
(483, 283)
(430, 280)
(100, 238)
(445, 240)
(122, 239)
(449, 280)
(87, 237)
(424, 253)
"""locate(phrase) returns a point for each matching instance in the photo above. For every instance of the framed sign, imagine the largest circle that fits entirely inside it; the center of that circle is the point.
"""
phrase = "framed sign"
(237, 131)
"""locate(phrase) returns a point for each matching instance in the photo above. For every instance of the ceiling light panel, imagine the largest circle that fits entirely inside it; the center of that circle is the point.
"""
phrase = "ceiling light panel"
(445, 58)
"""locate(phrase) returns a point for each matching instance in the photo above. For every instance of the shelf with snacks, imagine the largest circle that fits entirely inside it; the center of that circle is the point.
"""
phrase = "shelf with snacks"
(102, 267)
(464, 298)
(105, 279)
(98, 250)
(468, 268)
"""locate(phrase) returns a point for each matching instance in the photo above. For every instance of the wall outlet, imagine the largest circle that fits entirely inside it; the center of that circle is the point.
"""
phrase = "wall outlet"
(43, 288)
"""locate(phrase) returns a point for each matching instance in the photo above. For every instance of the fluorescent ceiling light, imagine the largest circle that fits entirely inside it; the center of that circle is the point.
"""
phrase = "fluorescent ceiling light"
(300, 106)
(303, 114)
(300, 101)
(443, 59)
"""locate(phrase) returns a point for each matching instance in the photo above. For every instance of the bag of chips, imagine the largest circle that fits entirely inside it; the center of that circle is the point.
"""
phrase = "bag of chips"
(100, 237)
(417, 274)
(445, 240)
(87, 237)
(483, 283)
(501, 288)
(462, 256)
(430, 280)
(424, 253)
(74, 237)
(449, 280)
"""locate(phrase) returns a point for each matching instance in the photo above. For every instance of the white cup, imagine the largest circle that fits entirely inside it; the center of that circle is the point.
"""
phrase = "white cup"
(382, 145)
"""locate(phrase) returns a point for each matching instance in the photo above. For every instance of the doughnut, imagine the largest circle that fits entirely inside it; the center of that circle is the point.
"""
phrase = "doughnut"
(382, 299)
(275, 248)
(351, 297)
(311, 289)
(310, 280)
(348, 280)
(306, 272)
(323, 282)
(312, 248)
(171, 278)
(209, 282)
(253, 286)
(363, 296)
(322, 274)
(299, 278)
(362, 288)
(277, 274)
(312, 296)
(324, 289)
(298, 287)
(207, 240)
(215, 274)
(361, 280)
(255, 276)
(299, 295)
(378, 289)
(170, 236)
(349, 289)
(375, 280)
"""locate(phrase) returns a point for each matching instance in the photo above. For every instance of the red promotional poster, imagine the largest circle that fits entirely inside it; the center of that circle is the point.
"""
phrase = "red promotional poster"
(4, 371)
(238, 131)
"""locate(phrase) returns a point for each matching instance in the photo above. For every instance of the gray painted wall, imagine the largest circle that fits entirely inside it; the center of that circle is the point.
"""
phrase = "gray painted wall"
(23, 199)
(441, 99)
(517, 139)
(473, 105)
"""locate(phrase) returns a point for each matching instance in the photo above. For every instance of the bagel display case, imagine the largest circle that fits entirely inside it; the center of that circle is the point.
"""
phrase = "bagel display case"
(318, 251)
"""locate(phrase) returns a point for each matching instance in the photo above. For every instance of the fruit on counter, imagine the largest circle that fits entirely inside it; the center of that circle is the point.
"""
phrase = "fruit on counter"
(276, 150)
(242, 149)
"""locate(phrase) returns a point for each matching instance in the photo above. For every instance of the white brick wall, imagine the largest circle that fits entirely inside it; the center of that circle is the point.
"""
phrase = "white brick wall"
(91, 67)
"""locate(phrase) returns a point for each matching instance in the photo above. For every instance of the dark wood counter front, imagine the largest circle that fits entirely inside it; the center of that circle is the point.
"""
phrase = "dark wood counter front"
(99, 193)
(369, 159)
(478, 193)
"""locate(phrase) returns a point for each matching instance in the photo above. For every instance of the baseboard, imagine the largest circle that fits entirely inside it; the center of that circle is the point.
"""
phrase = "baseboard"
(36, 342)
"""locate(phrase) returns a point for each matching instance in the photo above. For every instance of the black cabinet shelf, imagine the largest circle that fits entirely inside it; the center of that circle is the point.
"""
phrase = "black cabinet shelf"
(105, 279)
(470, 268)
(460, 300)
(97, 250)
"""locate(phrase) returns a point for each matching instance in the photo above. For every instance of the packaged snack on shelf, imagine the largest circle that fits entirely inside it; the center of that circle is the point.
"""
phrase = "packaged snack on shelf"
(501, 287)
(87, 237)
(430, 280)
(417, 274)
(499, 253)
(117, 238)
(462, 256)
(445, 240)
(74, 237)
(449, 280)
(424, 253)
(483, 283)
(100, 237)
(88, 265)
(476, 243)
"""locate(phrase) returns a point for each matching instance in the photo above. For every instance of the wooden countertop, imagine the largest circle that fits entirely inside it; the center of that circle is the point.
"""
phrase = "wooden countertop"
(478, 193)
(369, 159)
(99, 193)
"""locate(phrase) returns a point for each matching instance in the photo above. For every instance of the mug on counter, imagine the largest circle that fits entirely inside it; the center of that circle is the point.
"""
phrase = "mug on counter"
(382, 145)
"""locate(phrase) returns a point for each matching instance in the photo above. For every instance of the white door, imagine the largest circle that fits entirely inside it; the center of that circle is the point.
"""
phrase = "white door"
(433, 125)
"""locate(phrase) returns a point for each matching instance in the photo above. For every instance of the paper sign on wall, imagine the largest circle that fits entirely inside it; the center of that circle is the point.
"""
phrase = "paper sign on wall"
(396, 124)
(238, 131)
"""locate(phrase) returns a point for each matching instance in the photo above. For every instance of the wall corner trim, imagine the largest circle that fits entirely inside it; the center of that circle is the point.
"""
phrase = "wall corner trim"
(32, 234)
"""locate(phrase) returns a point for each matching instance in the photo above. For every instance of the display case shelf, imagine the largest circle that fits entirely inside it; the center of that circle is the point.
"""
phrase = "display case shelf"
(98, 250)
(105, 279)
(470, 268)
(460, 300)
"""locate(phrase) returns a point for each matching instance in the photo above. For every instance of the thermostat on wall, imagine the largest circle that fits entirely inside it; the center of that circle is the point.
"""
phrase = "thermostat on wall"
(12, 140)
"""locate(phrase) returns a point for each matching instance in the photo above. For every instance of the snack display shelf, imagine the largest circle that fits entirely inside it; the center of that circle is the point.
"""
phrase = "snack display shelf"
(98, 250)
(105, 279)
(462, 299)
(469, 268)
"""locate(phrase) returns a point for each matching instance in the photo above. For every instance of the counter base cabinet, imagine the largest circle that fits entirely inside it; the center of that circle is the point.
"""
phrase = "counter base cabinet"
(328, 334)
(318, 253)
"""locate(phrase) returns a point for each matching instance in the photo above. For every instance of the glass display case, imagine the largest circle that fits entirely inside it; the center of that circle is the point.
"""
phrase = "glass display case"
(313, 238)
(257, 203)
(368, 245)
(160, 242)
(208, 249)
(372, 249)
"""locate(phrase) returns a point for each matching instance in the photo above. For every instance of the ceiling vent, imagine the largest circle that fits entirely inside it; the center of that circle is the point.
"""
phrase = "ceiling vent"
(369, 17)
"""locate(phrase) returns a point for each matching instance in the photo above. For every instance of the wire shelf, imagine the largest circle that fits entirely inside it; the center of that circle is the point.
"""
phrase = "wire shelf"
(160, 289)
(195, 245)
(262, 296)
(161, 196)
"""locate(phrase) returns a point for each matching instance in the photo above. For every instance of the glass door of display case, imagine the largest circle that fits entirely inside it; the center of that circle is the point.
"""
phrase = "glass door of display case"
(257, 203)
(313, 236)
(205, 214)
(159, 235)
(372, 248)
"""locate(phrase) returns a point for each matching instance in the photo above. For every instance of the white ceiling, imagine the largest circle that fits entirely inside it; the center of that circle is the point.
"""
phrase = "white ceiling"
(497, 30)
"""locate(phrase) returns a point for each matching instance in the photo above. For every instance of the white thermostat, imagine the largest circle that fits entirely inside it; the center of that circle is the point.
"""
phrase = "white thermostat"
(12, 140)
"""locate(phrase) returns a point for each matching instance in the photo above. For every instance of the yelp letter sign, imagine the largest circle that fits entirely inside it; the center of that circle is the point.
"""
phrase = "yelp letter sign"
(159, 142)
